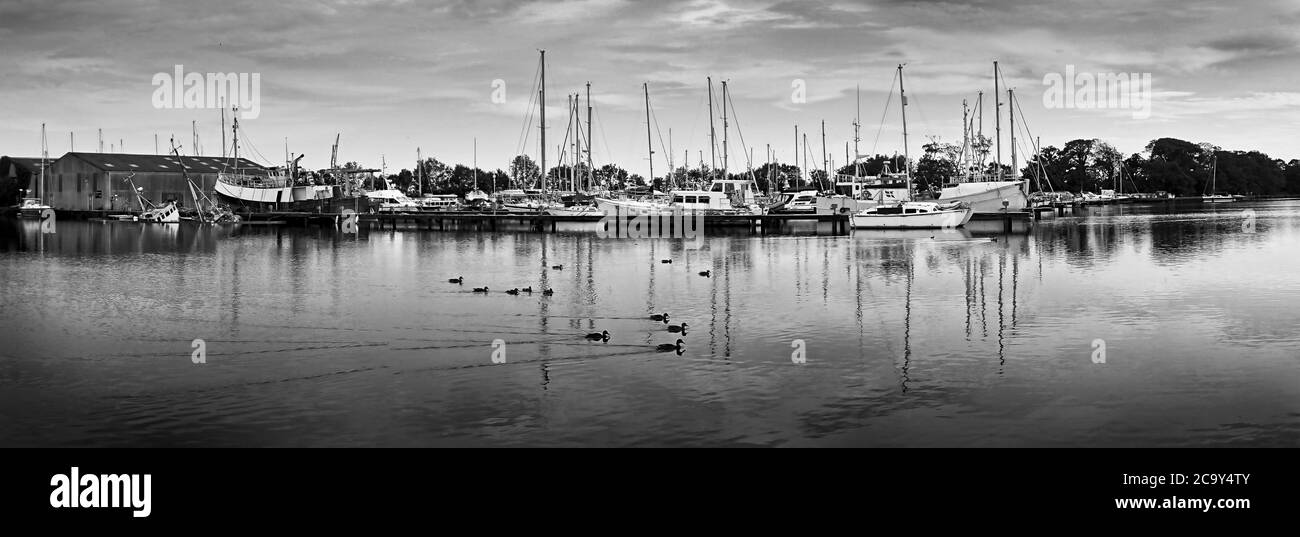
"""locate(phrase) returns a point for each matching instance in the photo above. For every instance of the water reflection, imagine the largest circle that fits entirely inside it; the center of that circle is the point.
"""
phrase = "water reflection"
(913, 338)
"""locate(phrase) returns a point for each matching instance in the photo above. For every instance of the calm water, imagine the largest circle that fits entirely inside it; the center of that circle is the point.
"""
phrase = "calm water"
(317, 339)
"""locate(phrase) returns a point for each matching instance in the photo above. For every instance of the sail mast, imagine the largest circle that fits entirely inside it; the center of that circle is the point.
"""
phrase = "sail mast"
(542, 104)
(649, 146)
(40, 183)
(591, 178)
(724, 129)
(997, 115)
(902, 104)
(713, 141)
(857, 123)
(1011, 114)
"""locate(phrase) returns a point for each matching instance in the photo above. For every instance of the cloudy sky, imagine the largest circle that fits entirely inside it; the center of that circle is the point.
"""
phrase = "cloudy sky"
(392, 75)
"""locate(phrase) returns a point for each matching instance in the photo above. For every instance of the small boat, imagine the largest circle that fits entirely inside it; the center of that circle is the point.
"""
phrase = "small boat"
(31, 208)
(913, 215)
(1212, 197)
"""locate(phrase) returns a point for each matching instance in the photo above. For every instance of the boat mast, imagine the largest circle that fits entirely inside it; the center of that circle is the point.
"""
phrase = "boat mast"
(40, 183)
(796, 154)
(223, 127)
(965, 140)
(825, 163)
(591, 178)
(476, 164)
(724, 129)
(1011, 114)
(857, 123)
(649, 146)
(713, 141)
(902, 105)
(997, 115)
(419, 171)
(234, 136)
(671, 169)
(542, 104)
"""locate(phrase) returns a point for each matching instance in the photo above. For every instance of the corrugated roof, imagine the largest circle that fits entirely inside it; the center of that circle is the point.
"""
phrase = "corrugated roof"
(119, 162)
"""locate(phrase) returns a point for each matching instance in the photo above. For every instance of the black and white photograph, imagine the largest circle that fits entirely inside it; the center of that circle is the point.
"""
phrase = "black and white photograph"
(672, 224)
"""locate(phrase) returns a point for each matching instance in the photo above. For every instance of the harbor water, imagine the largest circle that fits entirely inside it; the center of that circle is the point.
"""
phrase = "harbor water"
(1128, 325)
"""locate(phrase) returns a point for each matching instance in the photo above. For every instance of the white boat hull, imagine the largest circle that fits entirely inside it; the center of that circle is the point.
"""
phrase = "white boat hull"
(951, 218)
(274, 195)
(987, 196)
(1217, 199)
(573, 211)
(609, 206)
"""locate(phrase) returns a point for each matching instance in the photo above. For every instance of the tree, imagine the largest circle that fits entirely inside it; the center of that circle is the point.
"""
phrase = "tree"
(524, 172)
(1177, 166)
(938, 166)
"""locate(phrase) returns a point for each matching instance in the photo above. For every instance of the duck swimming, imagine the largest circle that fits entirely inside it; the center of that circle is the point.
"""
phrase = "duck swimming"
(548, 292)
(514, 291)
(681, 328)
(665, 347)
(457, 280)
(669, 261)
(480, 289)
(706, 273)
(528, 290)
(659, 317)
(599, 336)
(557, 267)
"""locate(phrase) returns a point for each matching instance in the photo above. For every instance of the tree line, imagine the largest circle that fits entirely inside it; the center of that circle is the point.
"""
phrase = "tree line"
(1169, 165)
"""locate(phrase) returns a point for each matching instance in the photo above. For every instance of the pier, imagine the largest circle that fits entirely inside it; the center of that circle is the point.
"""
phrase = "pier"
(543, 223)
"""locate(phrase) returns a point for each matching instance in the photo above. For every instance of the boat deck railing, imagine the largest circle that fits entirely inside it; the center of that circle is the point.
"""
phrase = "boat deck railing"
(253, 181)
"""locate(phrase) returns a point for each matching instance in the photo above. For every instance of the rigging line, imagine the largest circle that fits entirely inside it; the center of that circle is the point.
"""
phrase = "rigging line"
(528, 119)
(1037, 151)
(655, 117)
(749, 163)
(889, 99)
(603, 137)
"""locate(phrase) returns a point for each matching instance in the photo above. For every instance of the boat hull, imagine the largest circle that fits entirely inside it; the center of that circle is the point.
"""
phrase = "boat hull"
(950, 218)
(610, 206)
(987, 196)
(1218, 199)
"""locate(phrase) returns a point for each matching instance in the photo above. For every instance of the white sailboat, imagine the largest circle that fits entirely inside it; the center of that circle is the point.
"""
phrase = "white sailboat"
(35, 206)
(988, 196)
(1212, 197)
(911, 214)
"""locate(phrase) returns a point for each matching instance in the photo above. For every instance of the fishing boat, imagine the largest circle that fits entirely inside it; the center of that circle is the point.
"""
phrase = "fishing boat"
(908, 214)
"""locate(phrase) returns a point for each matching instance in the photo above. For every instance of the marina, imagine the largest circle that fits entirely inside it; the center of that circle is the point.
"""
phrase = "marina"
(599, 223)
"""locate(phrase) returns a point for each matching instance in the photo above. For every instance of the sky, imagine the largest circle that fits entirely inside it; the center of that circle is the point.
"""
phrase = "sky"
(392, 77)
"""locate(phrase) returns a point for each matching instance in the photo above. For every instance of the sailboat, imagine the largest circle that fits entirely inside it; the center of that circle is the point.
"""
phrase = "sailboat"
(1212, 197)
(34, 207)
(982, 194)
(906, 213)
(648, 206)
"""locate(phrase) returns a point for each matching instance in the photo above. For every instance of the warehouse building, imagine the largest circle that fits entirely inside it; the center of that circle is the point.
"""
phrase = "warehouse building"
(106, 181)
(18, 177)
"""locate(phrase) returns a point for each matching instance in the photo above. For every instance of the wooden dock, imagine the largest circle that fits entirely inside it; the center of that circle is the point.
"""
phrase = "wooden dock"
(542, 223)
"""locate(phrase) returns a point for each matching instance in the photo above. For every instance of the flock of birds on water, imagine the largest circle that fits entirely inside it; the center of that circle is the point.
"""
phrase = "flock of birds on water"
(603, 336)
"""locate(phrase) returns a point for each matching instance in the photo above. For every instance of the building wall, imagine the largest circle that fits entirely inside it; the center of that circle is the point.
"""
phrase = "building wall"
(74, 184)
